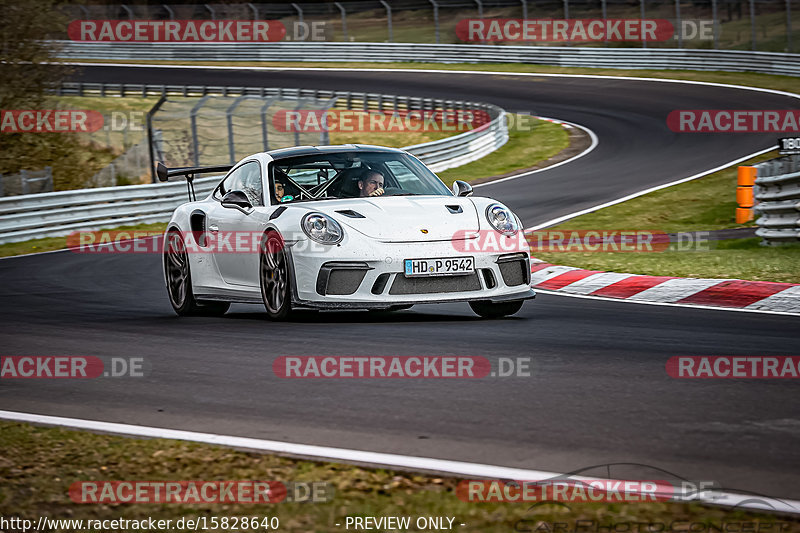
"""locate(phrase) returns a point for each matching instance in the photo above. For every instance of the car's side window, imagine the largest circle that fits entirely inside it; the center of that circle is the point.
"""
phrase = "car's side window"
(246, 178)
(251, 183)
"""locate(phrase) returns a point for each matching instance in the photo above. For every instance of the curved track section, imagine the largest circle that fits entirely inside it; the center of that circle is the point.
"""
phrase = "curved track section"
(599, 392)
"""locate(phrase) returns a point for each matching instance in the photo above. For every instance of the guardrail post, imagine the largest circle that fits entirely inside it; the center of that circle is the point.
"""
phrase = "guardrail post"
(752, 25)
(255, 10)
(678, 22)
(435, 18)
(128, 10)
(297, 130)
(344, 19)
(151, 137)
(525, 9)
(789, 26)
(23, 179)
(480, 8)
(229, 117)
(715, 20)
(193, 115)
(211, 11)
(388, 19)
(48, 174)
(641, 12)
(604, 10)
(264, 127)
(299, 12)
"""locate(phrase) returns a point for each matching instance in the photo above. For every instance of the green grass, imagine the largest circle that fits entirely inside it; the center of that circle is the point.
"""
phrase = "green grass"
(523, 150)
(38, 465)
(704, 204)
(59, 243)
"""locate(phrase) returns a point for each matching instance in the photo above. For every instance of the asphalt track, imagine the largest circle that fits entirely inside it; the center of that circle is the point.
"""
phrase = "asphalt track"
(598, 394)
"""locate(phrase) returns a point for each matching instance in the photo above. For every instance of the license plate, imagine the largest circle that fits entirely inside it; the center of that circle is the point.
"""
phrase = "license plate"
(444, 266)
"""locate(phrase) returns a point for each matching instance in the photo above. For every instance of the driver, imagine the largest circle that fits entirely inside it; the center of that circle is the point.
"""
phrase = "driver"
(371, 184)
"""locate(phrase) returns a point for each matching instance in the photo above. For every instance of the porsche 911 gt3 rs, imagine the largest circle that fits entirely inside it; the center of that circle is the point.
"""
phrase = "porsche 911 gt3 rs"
(340, 227)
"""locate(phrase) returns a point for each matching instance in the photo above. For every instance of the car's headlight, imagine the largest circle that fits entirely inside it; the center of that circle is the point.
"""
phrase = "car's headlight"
(322, 228)
(502, 219)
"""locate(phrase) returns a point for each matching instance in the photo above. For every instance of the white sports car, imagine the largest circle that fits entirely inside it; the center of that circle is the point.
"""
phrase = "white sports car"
(340, 227)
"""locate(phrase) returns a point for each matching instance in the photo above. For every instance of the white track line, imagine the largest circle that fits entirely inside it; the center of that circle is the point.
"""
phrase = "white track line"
(377, 459)
(591, 147)
(558, 220)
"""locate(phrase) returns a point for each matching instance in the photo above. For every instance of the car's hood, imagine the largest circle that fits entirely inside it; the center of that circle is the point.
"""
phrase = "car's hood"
(406, 218)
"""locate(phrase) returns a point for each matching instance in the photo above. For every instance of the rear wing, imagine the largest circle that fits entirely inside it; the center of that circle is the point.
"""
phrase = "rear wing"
(165, 174)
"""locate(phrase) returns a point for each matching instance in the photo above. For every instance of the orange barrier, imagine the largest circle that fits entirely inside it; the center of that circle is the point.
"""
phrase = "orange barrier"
(746, 178)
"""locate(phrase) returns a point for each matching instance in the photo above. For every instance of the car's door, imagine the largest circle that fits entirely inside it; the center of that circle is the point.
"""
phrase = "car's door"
(237, 230)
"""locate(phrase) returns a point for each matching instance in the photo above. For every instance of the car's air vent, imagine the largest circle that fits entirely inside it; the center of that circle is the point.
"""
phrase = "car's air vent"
(275, 214)
(454, 208)
(350, 213)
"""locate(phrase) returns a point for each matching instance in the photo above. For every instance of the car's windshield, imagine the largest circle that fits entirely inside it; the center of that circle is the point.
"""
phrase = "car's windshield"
(351, 175)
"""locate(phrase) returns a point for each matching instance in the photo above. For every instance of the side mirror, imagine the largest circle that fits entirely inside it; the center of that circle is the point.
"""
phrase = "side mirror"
(236, 199)
(461, 188)
(161, 172)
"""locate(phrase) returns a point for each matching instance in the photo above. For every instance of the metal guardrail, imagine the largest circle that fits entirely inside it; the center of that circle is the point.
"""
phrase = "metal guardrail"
(60, 213)
(778, 195)
(562, 56)
(20, 183)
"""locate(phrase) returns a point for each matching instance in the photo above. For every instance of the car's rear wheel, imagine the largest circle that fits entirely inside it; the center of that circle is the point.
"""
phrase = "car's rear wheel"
(496, 309)
(179, 281)
(275, 277)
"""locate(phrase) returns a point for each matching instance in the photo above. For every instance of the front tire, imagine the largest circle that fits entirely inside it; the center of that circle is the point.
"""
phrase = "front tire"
(274, 277)
(496, 309)
(179, 281)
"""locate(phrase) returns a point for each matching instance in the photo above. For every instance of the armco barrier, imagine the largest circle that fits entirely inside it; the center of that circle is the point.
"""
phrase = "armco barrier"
(562, 56)
(59, 213)
(777, 191)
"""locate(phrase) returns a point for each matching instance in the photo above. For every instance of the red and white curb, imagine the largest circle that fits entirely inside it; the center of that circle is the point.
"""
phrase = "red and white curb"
(725, 293)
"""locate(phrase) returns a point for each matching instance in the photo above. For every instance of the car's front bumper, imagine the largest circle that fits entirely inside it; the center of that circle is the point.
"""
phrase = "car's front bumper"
(370, 276)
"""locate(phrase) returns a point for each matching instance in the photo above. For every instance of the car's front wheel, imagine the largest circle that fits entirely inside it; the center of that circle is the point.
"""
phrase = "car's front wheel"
(275, 277)
(496, 309)
(179, 281)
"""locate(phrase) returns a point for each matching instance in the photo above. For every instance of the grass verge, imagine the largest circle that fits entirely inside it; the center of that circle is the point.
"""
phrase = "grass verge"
(50, 244)
(704, 204)
(38, 465)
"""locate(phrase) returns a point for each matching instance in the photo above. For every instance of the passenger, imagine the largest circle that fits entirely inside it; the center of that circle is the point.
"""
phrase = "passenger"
(371, 184)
